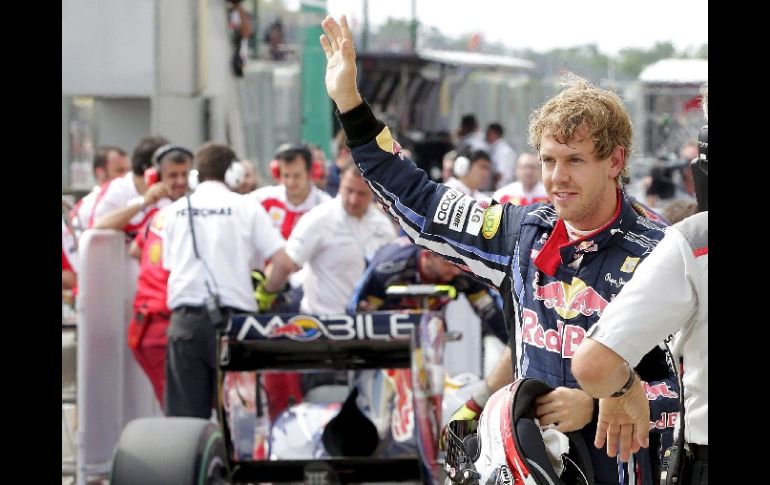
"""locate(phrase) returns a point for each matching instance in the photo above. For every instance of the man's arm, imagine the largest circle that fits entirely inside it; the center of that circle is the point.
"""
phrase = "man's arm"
(281, 266)
(337, 44)
(657, 301)
(599, 370)
(432, 215)
(490, 313)
(368, 294)
(68, 279)
(502, 374)
(119, 218)
(135, 251)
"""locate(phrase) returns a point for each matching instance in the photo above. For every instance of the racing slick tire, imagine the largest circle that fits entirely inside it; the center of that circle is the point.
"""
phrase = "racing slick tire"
(162, 451)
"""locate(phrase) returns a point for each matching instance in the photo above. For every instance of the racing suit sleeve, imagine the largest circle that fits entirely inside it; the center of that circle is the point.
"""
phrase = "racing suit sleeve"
(369, 288)
(490, 313)
(486, 303)
(481, 239)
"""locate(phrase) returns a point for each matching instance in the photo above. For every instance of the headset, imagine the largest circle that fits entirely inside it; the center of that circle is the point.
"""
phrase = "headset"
(234, 176)
(461, 166)
(152, 174)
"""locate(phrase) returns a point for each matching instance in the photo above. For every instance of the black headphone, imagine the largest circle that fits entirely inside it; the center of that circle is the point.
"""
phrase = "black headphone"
(164, 150)
(152, 174)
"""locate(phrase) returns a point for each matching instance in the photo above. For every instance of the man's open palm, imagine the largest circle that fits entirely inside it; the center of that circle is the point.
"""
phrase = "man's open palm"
(337, 44)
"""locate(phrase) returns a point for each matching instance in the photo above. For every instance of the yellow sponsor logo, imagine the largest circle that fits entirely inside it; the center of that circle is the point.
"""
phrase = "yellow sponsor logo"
(386, 142)
(155, 252)
(491, 221)
(629, 265)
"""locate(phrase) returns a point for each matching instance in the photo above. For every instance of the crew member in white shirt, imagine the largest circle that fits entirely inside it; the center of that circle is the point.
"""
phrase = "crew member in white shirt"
(335, 240)
(209, 241)
(471, 174)
(503, 156)
(110, 162)
(527, 189)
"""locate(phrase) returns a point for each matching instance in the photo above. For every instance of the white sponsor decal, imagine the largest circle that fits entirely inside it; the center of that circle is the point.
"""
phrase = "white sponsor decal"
(446, 202)
(476, 219)
(460, 213)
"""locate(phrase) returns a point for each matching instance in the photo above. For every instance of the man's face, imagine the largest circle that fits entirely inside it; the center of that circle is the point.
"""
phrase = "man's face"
(174, 175)
(295, 178)
(249, 179)
(356, 195)
(580, 186)
(479, 173)
(446, 168)
(528, 171)
(116, 166)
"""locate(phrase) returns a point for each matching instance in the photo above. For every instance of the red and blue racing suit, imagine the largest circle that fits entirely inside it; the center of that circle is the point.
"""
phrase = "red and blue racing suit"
(525, 253)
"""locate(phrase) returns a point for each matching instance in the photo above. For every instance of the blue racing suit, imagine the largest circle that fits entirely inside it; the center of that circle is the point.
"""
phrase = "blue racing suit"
(397, 263)
(553, 289)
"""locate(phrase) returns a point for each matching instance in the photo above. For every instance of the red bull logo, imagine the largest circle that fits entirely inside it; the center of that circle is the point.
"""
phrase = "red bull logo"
(661, 389)
(666, 420)
(572, 300)
(302, 328)
(564, 339)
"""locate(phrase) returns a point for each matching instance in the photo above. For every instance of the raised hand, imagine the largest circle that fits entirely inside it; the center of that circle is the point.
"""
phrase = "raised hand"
(337, 44)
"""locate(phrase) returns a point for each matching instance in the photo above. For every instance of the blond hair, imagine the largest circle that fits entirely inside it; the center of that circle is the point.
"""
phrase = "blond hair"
(581, 105)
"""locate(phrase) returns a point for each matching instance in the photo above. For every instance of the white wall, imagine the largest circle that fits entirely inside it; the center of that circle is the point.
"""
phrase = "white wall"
(153, 67)
(122, 121)
(108, 47)
(180, 119)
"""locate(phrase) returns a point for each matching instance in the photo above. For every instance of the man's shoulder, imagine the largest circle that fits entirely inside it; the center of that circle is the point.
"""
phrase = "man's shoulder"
(322, 214)
(268, 192)
(320, 195)
(642, 236)
(541, 214)
(513, 188)
(120, 185)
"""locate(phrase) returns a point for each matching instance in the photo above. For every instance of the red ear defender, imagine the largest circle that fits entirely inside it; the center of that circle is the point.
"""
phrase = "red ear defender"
(274, 170)
(150, 176)
(317, 170)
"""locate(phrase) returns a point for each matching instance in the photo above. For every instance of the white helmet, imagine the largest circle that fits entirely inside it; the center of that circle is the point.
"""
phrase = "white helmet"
(506, 446)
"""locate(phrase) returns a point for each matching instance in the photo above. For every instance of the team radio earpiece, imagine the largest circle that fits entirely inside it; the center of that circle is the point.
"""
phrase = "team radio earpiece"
(152, 174)
(461, 166)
